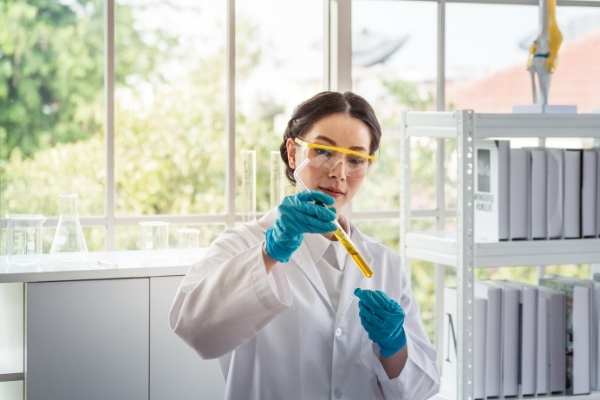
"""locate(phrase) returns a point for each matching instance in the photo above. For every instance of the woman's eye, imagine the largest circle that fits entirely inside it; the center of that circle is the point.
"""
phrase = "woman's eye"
(356, 161)
(322, 152)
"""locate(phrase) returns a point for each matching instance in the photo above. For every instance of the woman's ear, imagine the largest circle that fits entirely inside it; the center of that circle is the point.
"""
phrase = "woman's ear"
(291, 152)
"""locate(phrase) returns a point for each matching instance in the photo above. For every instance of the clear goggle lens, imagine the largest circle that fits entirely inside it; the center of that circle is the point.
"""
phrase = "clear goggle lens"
(326, 157)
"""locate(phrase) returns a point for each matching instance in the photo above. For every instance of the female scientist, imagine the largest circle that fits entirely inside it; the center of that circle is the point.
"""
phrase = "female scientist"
(280, 303)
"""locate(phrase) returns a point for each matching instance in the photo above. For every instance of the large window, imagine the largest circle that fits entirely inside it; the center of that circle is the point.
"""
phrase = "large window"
(52, 107)
(185, 93)
(279, 64)
(394, 68)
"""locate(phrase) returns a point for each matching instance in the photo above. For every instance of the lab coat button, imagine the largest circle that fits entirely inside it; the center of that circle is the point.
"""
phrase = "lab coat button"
(337, 393)
(338, 332)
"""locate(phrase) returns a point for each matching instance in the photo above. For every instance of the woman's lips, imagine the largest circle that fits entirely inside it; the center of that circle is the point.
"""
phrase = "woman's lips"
(332, 193)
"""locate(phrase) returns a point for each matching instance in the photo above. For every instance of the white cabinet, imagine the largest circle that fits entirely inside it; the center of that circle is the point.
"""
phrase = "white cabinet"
(87, 340)
(110, 339)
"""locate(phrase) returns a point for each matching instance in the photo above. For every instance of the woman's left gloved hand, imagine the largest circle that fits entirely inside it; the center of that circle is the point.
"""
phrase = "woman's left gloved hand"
(383, 319)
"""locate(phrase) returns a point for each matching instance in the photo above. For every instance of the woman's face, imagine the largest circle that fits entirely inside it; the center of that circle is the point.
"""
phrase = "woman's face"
(340, 130)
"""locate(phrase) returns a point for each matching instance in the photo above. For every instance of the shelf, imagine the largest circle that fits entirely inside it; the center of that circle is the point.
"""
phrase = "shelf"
(591, 396)
(441, 248)
(11, 376)
(486, 126)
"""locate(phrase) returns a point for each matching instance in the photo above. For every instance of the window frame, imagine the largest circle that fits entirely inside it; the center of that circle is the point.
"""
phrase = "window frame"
(337, 75)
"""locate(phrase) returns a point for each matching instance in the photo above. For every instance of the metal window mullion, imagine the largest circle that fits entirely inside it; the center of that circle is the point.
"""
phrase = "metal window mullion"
(230, 174)
(109, 85)
(441, 56)
(327, 5)
(340, 45)
(440, 177)
(465, 268)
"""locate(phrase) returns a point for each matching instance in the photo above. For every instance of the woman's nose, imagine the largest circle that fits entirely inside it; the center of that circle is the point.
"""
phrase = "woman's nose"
(339, 169)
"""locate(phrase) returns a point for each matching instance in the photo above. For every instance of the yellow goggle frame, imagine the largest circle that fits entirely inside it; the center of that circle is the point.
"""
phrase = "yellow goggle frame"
(343, 150)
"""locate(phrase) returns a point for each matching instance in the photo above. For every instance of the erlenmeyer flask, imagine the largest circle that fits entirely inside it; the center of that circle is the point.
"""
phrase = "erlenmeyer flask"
(69, 235)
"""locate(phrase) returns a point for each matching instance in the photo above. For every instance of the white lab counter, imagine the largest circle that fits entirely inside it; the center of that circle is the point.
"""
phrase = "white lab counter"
(97, 328)
(99, 265)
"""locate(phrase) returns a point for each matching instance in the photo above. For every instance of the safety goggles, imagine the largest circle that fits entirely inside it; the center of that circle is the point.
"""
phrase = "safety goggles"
(327, 157)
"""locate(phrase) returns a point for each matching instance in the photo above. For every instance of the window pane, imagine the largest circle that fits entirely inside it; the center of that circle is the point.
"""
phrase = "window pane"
(51, 105)
(279, 64)
(394, 68)
(487, 58)
(170, 105)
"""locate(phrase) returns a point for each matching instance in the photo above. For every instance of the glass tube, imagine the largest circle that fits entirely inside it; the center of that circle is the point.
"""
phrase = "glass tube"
(248, 185)
(277, 180)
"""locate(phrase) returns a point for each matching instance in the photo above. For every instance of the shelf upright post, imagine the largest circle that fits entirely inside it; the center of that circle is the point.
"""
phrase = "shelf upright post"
(465, 260)
(595, 268)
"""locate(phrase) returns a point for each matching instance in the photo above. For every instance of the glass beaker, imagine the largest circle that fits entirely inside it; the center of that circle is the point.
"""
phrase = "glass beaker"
(188, 238)
(68, 237)
(154, 235)
(24, 241)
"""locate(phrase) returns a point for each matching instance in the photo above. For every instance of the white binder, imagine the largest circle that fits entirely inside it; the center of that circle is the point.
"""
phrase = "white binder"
(572, 205)
(588, 192)
(519, 194)
(555, 192)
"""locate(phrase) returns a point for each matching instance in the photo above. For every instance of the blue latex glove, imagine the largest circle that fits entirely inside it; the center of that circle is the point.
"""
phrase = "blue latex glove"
(299, 214)
(383, 319)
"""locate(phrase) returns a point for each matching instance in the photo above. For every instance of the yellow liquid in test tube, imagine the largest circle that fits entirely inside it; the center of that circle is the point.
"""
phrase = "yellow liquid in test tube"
(351, 249)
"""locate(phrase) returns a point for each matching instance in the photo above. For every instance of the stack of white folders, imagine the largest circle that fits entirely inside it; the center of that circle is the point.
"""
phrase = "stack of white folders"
(520, 339)
(535, 193)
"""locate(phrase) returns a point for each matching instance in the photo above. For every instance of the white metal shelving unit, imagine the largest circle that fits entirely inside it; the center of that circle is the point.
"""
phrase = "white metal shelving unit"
(458, 250)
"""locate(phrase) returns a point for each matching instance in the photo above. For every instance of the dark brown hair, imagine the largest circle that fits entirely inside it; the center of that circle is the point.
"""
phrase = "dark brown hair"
(322, 105)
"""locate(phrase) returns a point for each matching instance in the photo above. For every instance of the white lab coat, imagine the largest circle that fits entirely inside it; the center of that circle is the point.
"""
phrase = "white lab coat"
(277, 335)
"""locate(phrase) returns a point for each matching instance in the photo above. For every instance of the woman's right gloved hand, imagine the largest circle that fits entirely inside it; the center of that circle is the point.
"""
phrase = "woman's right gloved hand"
(299, 214)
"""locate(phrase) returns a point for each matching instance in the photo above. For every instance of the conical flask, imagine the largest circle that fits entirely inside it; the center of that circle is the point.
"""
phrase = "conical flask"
(69, 235)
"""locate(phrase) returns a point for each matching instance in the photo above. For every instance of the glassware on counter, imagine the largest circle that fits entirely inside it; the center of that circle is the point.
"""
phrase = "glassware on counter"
(68, 237)
(188, 238)
(154, 235)
(24, 238)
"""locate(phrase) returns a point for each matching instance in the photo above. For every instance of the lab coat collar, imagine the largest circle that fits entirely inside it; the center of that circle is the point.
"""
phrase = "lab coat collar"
(306, 261)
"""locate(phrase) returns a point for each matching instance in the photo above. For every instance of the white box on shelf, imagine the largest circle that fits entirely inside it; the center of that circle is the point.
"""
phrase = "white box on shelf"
(491, 196)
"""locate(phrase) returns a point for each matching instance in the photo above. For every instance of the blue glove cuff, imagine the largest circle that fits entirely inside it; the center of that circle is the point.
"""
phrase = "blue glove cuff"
(399, 342)
(277, 249)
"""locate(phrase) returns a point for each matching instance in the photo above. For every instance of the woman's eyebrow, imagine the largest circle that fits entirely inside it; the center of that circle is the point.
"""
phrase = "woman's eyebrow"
(332, 142)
